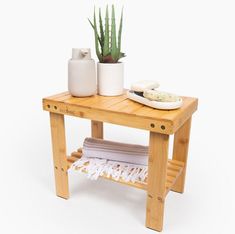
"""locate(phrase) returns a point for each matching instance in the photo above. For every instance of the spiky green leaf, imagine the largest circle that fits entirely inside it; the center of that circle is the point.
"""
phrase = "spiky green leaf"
(92, 25)
(114, 50)
(121, 55)
(120, 35)
(101, 31)
(97, 40)
(106, 50)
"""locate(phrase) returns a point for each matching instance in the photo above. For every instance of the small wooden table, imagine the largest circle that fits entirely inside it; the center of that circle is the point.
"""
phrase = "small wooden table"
(163, 174)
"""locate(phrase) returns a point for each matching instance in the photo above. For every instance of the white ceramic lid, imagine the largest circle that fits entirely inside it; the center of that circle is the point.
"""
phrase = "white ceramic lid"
(140, 86)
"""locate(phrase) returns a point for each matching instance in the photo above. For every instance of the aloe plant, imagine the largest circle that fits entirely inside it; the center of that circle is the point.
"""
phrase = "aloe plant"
(108, 46)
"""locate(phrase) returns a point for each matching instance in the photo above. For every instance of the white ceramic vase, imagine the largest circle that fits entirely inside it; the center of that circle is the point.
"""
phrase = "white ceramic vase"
(110, 77)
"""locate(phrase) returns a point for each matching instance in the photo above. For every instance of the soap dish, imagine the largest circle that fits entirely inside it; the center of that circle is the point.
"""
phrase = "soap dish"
(154, 104)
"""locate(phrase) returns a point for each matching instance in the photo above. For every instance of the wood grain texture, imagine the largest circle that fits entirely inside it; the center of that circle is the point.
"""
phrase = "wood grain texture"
(126, 106)
(180, 153)
(59, 155)
(97, 129)
(122, 111)
(157, 178)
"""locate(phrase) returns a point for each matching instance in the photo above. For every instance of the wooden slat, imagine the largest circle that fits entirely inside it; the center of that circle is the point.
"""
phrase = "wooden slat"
(170, 179)
(99, 102)
(54, 97)
(86, 101)
(173, 167)
(126, 106)
(171, 173)
(77, 100)
(150, 112)
(64, 97)
(175, 162)
(72, 159)
(77, 154)
(106, 104)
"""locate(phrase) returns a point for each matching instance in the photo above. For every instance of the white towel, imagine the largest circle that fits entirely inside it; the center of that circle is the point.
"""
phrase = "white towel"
(115, 151)
(113, 159)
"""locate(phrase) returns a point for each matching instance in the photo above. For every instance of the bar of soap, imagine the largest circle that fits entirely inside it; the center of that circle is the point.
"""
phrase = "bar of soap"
(143, 85)
(159, 96)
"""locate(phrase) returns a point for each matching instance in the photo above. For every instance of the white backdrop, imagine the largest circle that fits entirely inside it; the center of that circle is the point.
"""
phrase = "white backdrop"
(188, 46)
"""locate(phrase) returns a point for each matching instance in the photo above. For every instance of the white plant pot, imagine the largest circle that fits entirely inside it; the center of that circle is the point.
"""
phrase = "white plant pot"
(110, 79)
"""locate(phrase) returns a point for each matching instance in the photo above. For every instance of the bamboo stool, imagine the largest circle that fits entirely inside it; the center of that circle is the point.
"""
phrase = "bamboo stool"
(163, 174)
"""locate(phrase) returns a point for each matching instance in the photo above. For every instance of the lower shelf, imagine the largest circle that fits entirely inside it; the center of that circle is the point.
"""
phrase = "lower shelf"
(174, 169)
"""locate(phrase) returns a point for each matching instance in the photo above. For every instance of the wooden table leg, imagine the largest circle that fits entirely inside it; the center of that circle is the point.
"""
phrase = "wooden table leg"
(59, 155)
(97, 129)
(180, 153)
(157, 166)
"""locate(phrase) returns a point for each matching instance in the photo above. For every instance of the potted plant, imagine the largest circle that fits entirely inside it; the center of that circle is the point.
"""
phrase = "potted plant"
(110, 70)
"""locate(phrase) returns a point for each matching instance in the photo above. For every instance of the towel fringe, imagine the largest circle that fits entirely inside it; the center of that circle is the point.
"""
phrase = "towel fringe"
(96, 167)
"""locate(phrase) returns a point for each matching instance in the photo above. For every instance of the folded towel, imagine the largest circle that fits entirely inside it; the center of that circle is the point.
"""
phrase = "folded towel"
(115, 151)
(113, 159)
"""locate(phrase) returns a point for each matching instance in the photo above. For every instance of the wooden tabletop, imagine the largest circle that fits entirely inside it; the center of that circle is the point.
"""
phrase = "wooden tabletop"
(122, 111)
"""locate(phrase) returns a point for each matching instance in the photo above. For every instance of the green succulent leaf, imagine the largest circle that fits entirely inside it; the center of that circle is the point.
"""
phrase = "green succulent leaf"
(120, 35)
(121, 55)
(97, 40)
(106, 50)
(114, 50)
(92, 25)
(101, 31)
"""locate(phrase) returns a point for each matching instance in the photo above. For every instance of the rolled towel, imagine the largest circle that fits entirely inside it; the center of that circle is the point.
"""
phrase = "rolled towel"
(115, 151)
